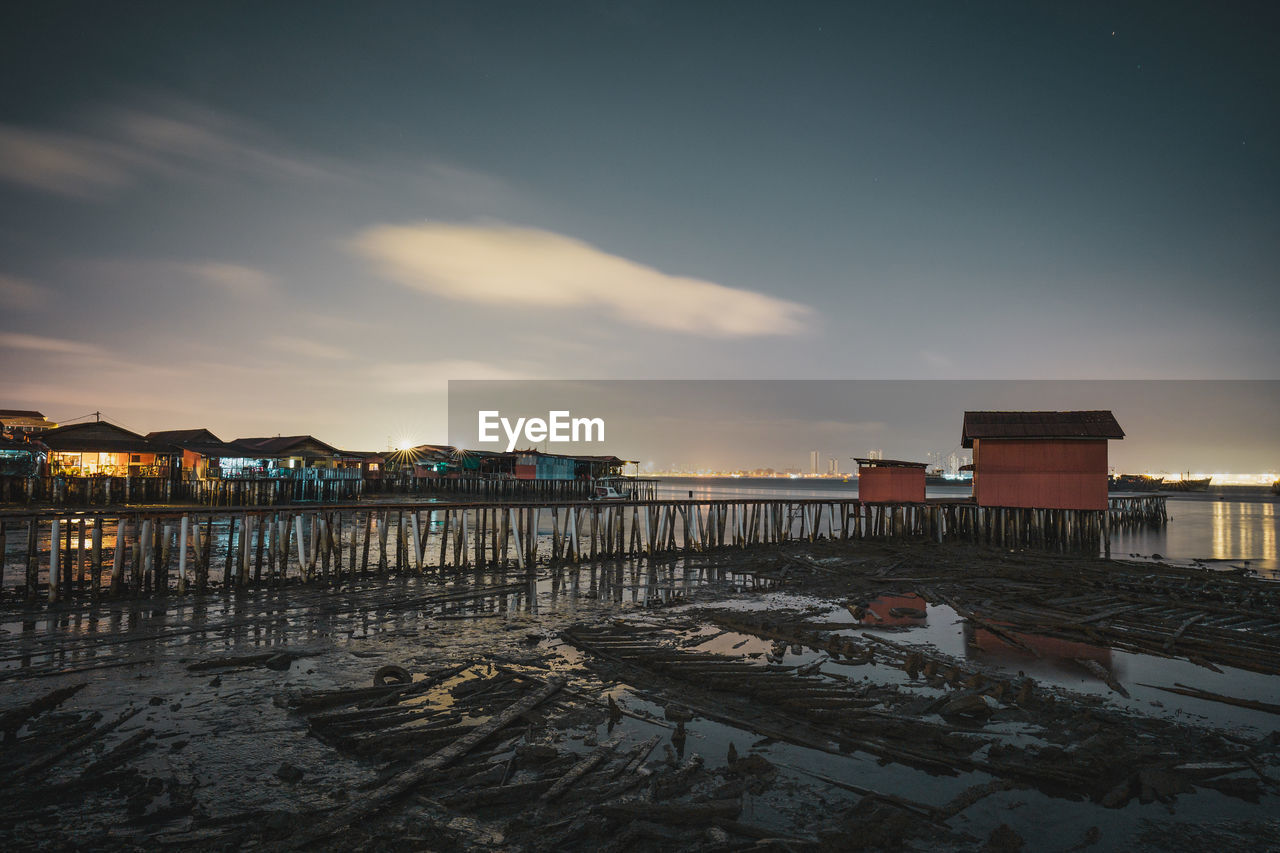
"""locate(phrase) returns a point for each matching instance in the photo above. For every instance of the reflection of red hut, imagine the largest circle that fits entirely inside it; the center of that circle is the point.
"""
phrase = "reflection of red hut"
(890, 481)
(1049, 648)
(1040, 460)
(894, 610)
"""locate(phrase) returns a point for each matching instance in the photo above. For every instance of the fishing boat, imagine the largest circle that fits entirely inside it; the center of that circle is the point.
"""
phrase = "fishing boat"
(608, 489)
(1186, 484)
(937, 477)
(1133, 483)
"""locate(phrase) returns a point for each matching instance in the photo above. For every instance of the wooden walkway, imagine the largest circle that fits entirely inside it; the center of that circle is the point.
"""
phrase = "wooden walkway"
(62, 555)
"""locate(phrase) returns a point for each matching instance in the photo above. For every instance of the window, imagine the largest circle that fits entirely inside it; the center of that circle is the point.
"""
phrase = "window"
(136, 457)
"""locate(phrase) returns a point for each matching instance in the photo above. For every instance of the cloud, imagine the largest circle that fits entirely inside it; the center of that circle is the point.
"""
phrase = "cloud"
(57, 163)
(38, 343)
(308, 348)
(170, 139)
(245, 281)
(526, 266)
(18, 294)
(427, 376)
(183, 135)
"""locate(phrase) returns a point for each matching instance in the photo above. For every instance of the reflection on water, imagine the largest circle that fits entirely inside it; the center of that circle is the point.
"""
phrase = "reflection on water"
(890, 610)
(1033, 652)
(1230, 523)
(1234, 526)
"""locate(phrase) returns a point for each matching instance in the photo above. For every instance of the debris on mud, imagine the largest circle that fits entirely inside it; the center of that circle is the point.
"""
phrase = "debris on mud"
(806, 713)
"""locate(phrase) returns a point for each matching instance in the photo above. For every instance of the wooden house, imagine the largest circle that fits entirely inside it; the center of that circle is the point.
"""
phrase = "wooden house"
(294, 451)
(1040, 460)
(198, 453)
(19, 422)
(598, 467)
(102, 448)
(536, 465)
(890, 481)
(21, 457)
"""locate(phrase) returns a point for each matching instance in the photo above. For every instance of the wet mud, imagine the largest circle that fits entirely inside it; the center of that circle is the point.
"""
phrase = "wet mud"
(819, 696)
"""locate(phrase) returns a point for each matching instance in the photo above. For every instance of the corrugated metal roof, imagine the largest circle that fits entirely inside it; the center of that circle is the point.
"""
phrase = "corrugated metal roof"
(1089, 424)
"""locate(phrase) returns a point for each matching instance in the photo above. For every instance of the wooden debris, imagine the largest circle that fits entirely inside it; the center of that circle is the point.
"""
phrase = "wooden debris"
(15, 718)
(1102, 673)
(421, 770)
(580, 769)
(1196, 693)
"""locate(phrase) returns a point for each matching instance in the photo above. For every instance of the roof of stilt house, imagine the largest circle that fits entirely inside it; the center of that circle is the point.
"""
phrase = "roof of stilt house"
(288, 445)
(1087, 424)
(887, 463)
(183, 437)
(200, 441)
(97, 437)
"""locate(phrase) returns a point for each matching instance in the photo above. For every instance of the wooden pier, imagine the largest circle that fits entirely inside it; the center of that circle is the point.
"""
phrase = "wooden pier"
(61, 555)
(315, 485)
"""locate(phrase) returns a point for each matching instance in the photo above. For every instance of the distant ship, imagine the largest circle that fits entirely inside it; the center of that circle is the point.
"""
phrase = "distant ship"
(1186, 484)
(935, 477)
(1133, 483)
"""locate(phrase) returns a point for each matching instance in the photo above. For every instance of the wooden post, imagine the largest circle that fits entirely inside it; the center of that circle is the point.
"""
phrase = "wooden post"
(515, 535)
(55, 564)
(182, 555)
(368, 531)
(227, 576)
(262, 541)
(79, 567)
(33, 558)
(302, 549)
(64, 580)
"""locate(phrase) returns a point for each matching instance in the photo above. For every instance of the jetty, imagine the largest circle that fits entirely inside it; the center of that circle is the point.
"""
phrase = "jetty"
(57, 555)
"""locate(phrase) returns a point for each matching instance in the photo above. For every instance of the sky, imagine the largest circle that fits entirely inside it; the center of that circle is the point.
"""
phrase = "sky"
(295, 218)
(733, 425)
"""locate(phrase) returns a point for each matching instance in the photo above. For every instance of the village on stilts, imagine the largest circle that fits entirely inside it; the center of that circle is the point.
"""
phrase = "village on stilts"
(272, 642)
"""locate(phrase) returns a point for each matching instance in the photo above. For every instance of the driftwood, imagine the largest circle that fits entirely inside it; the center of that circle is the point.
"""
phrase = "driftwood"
(1196, 693)
(1101, 672)
(580, 769)
(696, 814)
(271, 660)
(422, 770)
(14, 719)
(52, 757)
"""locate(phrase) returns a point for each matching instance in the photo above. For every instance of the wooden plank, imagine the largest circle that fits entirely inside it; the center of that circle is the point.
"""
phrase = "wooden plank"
(418, 772)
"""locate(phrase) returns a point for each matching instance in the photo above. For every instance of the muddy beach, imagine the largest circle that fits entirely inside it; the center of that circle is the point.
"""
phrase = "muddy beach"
(811, 696)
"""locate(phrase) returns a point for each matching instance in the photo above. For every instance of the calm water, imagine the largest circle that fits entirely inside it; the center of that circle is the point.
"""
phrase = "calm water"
(1232, 524)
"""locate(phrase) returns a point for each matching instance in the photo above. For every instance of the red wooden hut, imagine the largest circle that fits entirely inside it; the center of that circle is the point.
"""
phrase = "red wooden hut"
(890, 481)
(1040, 460)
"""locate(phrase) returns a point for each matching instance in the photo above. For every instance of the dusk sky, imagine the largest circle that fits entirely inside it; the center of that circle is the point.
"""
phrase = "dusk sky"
(269, 218)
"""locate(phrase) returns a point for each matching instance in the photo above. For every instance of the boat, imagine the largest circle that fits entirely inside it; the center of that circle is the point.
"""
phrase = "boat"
(606, 489)
(936, 477)
(1133, 483)
(1186, 484)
